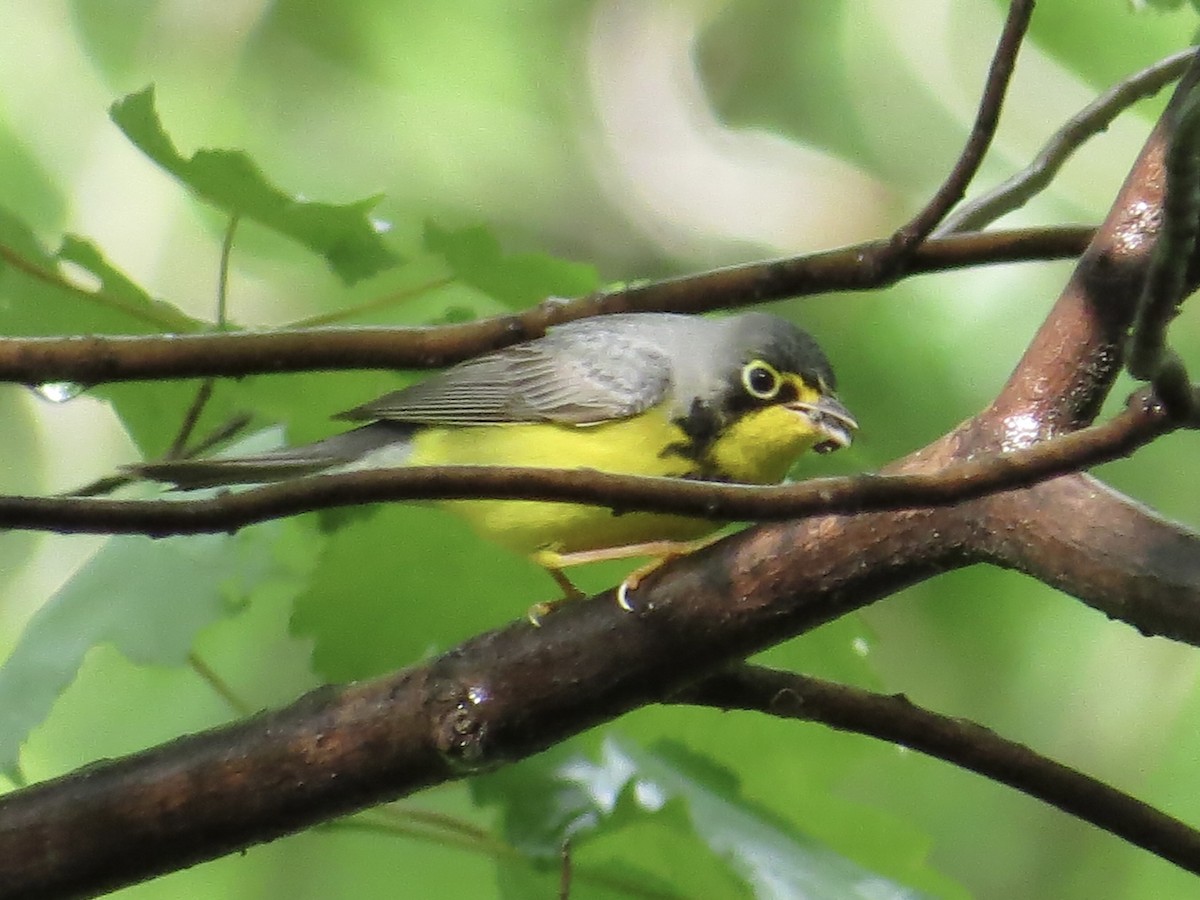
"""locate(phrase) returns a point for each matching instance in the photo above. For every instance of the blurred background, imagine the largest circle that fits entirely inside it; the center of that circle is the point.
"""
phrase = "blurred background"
(645, 139)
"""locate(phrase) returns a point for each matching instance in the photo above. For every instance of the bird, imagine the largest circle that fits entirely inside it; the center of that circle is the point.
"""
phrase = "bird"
(730, 399)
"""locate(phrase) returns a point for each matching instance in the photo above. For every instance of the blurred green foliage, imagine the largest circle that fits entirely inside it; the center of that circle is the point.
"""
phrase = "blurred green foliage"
(508, 174)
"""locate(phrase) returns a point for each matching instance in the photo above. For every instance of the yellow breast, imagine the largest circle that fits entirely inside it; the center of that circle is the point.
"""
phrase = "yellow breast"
(758, 449)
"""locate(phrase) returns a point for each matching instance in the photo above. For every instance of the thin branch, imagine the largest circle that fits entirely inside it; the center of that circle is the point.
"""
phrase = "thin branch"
(223, 272)
(397, 823)
(375, 305)
(110, 483)
(1140, 423)
(219, 686)
(1088, 122)
(954, 188)
(955, 740)
(95, 359)
(564, 875)
(190, 419)
(219, 435)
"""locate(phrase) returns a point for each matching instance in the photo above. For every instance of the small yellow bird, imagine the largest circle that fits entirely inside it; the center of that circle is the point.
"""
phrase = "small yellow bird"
(734, 399)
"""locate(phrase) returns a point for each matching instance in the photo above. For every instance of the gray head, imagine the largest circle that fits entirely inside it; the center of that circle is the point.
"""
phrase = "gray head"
(725, 368)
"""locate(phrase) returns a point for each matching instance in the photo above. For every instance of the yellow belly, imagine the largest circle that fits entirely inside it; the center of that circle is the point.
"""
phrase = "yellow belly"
(632, 446)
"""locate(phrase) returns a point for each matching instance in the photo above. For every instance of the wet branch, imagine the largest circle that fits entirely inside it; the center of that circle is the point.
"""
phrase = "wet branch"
(95, 359)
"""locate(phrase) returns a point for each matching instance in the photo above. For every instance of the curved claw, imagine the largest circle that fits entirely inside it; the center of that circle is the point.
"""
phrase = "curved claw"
(536, 612)
(623, 590)
(631, 581)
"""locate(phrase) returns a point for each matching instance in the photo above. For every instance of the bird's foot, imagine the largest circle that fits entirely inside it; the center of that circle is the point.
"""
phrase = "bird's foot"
(551, 562)
(659, 551)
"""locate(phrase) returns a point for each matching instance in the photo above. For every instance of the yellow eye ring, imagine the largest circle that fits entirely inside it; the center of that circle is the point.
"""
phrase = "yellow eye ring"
(760, 380)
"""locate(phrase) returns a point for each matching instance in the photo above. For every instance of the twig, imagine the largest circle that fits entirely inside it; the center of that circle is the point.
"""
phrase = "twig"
(1140, 423)
(223, 272)
(374, 305)
(564, 875)
(395, 823)
(95, 359)
(954, 188)
(957, 741)
(1089, 121)
(110, 483)
(190, 418)
(218, 435)
(218, 684)
(204, 392)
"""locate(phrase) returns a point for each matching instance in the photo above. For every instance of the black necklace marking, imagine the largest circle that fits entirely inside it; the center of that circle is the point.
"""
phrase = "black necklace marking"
(701, 427)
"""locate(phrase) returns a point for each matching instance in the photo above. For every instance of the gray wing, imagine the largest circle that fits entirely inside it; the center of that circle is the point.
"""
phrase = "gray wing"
(582, 373)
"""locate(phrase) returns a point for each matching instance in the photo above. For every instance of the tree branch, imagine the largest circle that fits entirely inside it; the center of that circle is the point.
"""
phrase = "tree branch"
(491, 701)
(957, 741)
(1088, 122)
(1091, 542)
(105, 358)
(1165, 287)
(954, 188)
(486, 703)
(1141, 422)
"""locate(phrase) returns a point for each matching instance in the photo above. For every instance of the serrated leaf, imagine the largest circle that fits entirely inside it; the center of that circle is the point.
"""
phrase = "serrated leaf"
(343, 234)
(149, 598)
(517, 280)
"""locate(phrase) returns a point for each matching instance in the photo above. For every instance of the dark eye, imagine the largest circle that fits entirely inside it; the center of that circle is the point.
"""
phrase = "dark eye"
(760, 380)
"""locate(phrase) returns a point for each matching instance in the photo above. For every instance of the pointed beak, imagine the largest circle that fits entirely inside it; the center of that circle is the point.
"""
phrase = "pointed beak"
(832, 420)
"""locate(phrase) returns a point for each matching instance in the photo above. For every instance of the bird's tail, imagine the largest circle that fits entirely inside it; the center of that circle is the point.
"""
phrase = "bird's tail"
(339, 451)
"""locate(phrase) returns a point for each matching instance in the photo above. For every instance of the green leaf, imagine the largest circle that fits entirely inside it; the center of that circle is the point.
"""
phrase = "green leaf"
(121, 292)
(618, 848)
(518, 280)
(147, 597)
(768, 853)
(26, 184)
(343, 234)
(396, 582)
(543, 804)
(37, 297)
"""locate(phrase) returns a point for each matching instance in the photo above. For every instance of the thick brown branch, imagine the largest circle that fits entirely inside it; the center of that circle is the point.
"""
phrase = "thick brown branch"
(1140, 423)
(95, 359)
(1115, 555)
(1150, 357)
(1070, 365)
(956, 741)
(485, 703)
